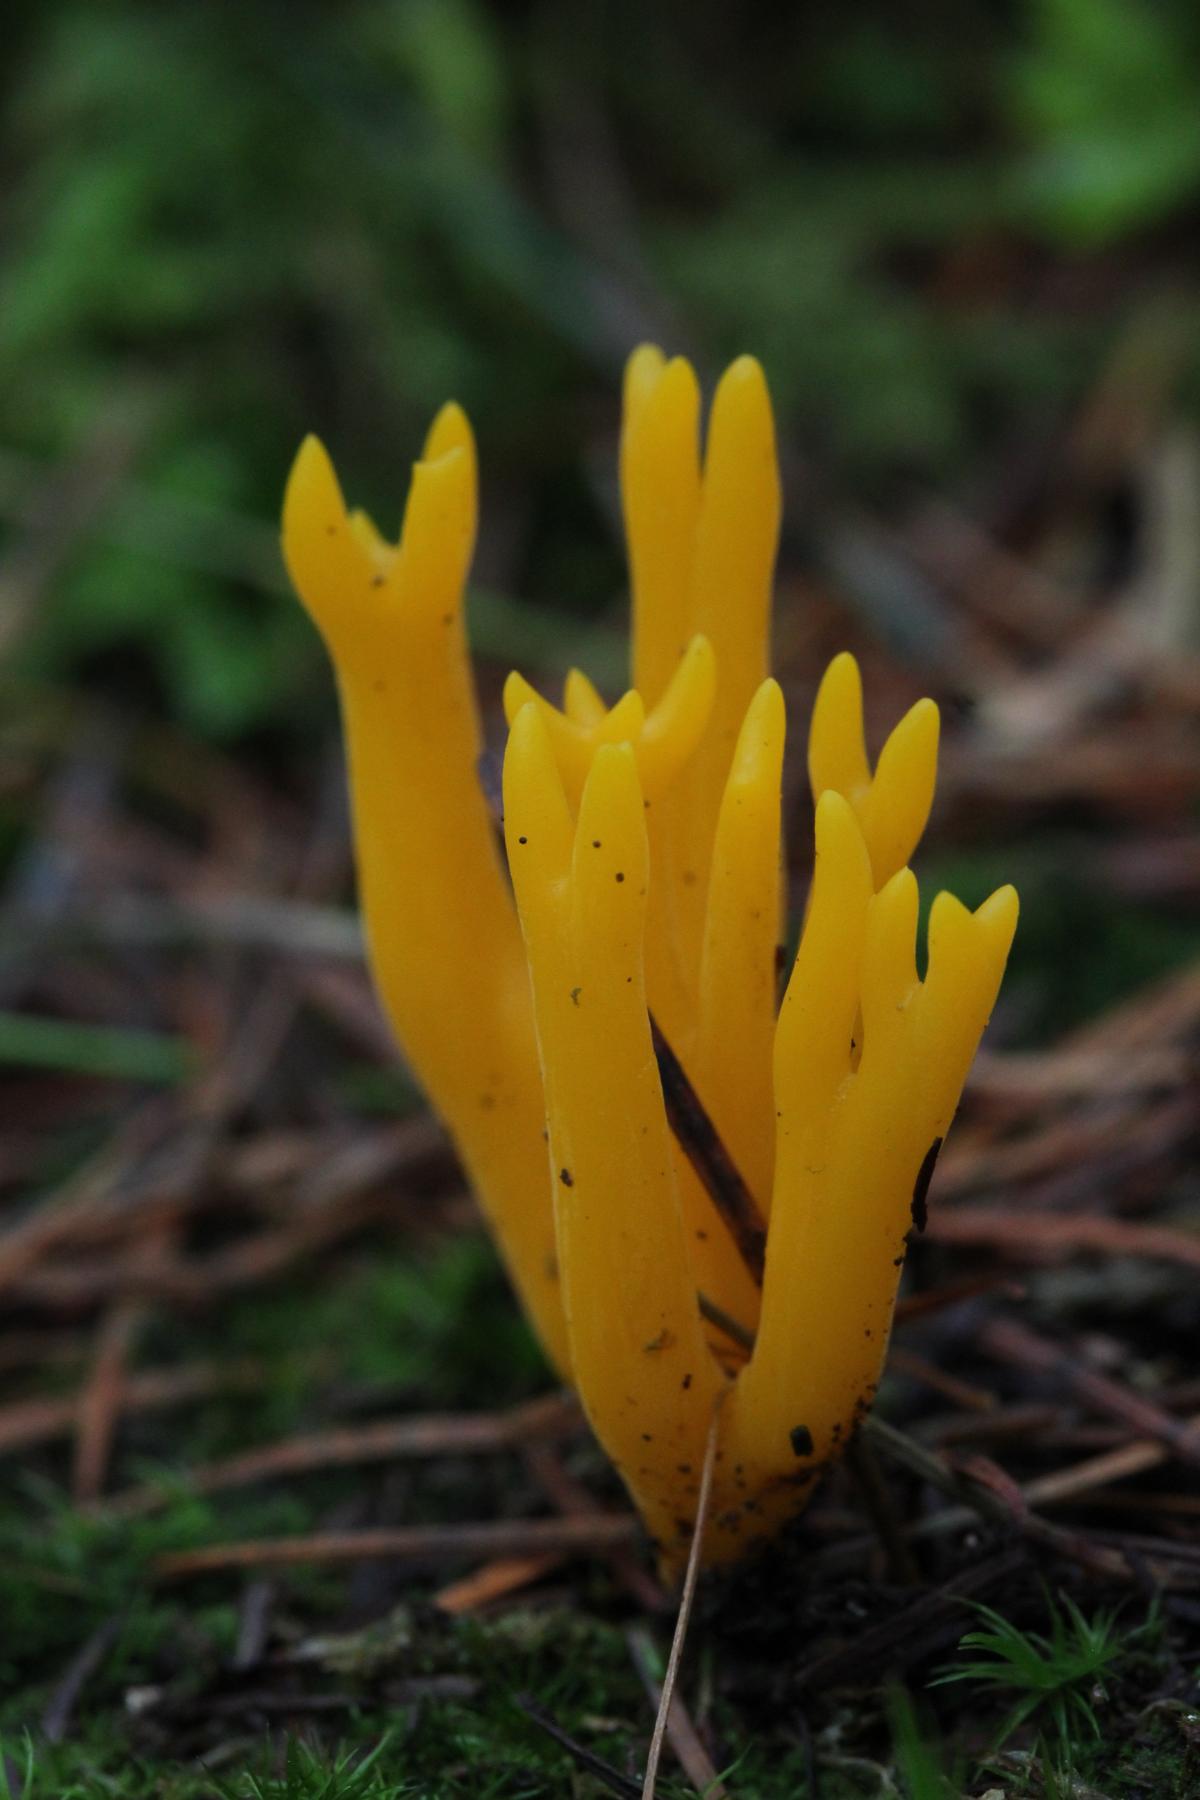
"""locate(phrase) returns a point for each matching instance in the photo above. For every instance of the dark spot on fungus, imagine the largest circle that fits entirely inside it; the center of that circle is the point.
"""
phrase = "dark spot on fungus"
(683, 1468)
(522, 840)
(663, 1341)
(620, 876)
(575, 993)
(566, 1177)
(920, 1212)
(595, 843)
(647, 1437)
(801, 1439)
(686, 1382)
(379, 581)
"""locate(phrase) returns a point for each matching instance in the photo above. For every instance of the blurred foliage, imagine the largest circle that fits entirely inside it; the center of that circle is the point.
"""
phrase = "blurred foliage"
(1106, 96)
(228, 224)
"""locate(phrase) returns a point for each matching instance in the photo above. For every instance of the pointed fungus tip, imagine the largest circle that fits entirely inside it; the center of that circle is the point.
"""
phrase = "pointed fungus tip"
(451, 430)
(1002, 908)
(311, 493)
(842, 674)
(744, 387)
(836, 830)
(643, 371)
(516, 697)
(768, 705)
(743, 369)
(527, 735)
(311, 461)
(833, 811)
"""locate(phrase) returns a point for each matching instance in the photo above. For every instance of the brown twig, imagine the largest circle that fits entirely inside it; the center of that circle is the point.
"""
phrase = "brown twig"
(25, 1423)
(1084, 1478)
(496, 1580)
(700, 1142)
(881, 1509)
(572, 1499)
(100, 1401)
(198, 1280)
(726, 1323)
(1018, 1232)
(413, 1543)
(952, 1293)
(987, 1503)
(683, 1737)
(960, 1393)
(1010, 1341)
(384, 1440)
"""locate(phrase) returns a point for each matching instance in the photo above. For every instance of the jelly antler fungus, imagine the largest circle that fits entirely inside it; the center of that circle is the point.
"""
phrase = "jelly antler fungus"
(632, 986)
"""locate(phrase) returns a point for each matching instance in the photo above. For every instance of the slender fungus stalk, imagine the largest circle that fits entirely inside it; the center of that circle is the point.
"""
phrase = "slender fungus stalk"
(703, 1200)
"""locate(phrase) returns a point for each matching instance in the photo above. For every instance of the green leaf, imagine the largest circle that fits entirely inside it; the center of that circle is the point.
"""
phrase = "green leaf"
(108, 1050)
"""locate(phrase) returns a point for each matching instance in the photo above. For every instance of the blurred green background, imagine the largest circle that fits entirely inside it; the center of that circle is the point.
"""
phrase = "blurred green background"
(228, 223)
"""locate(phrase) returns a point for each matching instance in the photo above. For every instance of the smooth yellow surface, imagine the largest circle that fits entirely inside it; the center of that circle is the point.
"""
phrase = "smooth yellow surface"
(664, 739)
(442, 933)
(702, 543)
(731, 1067)
(644, 850)
(851, 1146)
(637, 1346)
(893, 804)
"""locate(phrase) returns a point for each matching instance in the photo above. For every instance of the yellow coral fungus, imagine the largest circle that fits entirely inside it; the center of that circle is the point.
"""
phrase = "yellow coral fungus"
(754, 1257)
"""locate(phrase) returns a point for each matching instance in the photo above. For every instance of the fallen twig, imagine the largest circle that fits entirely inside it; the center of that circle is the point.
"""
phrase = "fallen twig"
(987, 1503)
(1013, 1342)
(683, 1737)
(573, 1499)
(428, 1434)
(698, 1139)
(25, 1423)
(1019, 1232)
(579, 1753)
(929, 1621)
(60, 1707)
(412, 1543)
(496, 1580)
